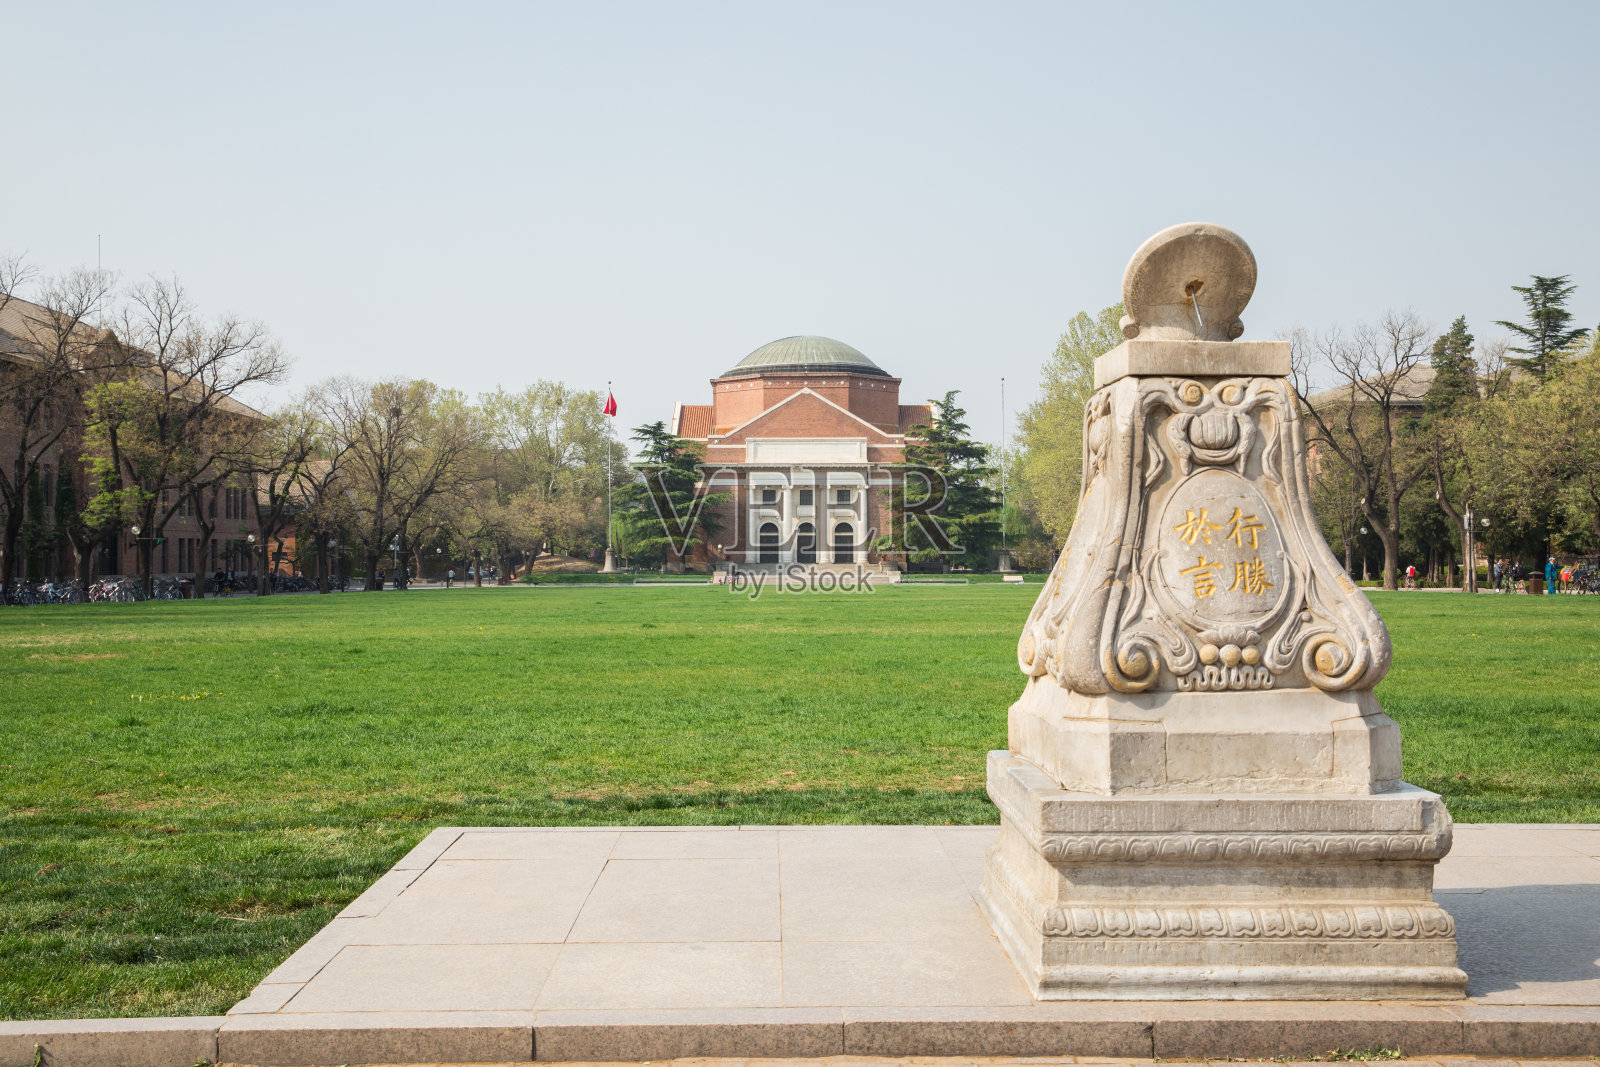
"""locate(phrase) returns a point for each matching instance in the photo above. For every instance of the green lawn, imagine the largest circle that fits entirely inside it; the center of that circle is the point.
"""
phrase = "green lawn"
(191, 789)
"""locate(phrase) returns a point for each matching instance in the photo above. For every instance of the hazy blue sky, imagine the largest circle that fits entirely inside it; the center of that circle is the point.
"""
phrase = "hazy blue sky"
(645, 192)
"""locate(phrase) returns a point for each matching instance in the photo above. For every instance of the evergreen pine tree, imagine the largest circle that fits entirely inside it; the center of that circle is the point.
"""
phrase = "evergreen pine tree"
(664, 511)
(969, 513)
(1547, 330)
(1455, 378)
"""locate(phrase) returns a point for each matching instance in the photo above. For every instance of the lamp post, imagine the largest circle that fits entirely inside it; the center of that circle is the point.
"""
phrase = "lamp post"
(138, 550)
(1469, 548)
(261, 575)
(394, 568)
(1364, 532)
(1483, 523)
(438, 555)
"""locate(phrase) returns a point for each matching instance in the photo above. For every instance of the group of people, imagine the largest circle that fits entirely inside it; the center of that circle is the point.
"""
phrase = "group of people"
(1511, 575)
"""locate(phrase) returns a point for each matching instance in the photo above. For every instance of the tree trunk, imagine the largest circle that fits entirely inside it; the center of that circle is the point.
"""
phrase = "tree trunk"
(1391, 556)
(83, 561)
(8, 547)
(200, 550)
(477, 569)
(322, 563)
(145, 548)
(372, 572)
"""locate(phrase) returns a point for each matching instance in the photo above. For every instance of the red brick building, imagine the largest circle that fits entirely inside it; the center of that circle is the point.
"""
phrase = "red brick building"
(26, 331)
(802, 434)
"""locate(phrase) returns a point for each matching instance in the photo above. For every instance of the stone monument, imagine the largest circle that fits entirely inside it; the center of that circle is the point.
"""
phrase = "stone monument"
(1202, 797)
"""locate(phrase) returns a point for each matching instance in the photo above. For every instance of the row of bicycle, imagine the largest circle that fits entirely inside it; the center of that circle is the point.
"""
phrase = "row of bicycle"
(104, 590)
(124, 589)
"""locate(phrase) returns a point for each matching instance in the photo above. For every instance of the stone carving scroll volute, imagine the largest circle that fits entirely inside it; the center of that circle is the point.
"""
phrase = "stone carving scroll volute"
(1195, 562)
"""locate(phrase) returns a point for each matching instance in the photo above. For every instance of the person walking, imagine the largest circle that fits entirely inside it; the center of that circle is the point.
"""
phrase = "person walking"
(1411, 576)
(450, 578)
(1550, 576)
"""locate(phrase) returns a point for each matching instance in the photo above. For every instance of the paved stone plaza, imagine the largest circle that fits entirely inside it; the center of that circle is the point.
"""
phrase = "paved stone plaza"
(649, 943)
(503, 945)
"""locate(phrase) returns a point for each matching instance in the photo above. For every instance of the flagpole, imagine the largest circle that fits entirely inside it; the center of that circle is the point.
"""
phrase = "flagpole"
(1002, 464)
(609, 542)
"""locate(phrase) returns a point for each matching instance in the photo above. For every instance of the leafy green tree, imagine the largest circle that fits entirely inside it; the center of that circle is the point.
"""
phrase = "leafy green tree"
(1049, 465)
(668, 513)
(1455, 379)
(951, 511)
(549, 449)
(1548, 331)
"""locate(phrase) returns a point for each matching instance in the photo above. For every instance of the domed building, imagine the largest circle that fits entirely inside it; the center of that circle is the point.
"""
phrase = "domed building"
(802, 434)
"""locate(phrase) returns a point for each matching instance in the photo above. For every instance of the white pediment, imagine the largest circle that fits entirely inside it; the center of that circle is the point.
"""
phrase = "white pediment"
(806, 450)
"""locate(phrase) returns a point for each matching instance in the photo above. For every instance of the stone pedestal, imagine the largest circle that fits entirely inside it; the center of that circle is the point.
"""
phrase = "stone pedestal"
(1202, 796)
(610, 565)
(1202, 897)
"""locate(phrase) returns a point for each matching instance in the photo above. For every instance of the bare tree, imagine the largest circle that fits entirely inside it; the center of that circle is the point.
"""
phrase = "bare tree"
(405, 442)
(51, 350)
(1366, 419)
(276, 463)
(169, 423)
(326, 505)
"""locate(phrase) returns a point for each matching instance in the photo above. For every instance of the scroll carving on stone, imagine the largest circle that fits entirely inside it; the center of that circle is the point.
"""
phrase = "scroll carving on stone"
(1196, 547)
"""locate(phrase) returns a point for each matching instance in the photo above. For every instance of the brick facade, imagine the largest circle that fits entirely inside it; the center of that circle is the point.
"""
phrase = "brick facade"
(806, 456)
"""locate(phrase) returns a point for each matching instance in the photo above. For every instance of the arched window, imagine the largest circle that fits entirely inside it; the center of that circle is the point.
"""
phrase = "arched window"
(806, 543)
(769, 542)
(844, 543)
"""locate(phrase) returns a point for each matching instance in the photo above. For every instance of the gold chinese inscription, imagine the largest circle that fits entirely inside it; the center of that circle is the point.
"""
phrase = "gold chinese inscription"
(1204, 573)
(1221, 549)
(1195, 528)
(1249, 576)
(1240, 526)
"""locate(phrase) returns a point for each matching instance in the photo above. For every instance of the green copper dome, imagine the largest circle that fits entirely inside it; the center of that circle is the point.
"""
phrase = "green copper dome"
(805, 355)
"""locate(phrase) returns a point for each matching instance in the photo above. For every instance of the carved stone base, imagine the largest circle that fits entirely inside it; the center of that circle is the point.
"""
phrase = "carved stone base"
(1291, 741)
(1219, 897)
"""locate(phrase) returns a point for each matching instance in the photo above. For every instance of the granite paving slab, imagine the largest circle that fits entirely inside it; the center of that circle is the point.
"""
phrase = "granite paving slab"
(649, 943)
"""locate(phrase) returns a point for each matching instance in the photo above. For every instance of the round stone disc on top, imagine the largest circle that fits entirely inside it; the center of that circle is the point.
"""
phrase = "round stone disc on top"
(1188, 282)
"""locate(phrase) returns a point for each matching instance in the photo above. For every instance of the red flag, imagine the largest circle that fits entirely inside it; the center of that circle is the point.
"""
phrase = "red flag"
(611, 405)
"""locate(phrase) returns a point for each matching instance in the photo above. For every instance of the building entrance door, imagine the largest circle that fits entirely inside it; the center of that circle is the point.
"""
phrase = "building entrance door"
(806, 543)
(844, 543)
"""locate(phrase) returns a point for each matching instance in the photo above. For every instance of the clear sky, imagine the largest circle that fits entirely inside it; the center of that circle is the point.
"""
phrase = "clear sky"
(645, 192)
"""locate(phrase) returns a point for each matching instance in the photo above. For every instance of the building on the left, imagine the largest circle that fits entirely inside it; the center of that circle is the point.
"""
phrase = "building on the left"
(35, 342)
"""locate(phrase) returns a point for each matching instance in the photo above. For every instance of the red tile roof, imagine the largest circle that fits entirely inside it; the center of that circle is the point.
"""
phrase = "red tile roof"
(911, 414)
(694, 423)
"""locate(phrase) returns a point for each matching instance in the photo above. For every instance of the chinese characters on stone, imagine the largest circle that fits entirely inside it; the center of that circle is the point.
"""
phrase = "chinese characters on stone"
(1249, 576)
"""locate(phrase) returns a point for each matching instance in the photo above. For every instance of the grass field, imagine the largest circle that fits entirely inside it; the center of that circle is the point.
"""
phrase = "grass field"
(191, 789)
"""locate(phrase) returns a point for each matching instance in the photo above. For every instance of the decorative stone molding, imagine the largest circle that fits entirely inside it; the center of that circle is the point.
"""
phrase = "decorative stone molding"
(1241, 848)
(1374, 921)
